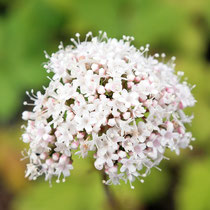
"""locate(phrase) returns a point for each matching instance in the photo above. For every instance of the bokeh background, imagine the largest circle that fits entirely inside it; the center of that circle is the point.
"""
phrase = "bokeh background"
(176, 27)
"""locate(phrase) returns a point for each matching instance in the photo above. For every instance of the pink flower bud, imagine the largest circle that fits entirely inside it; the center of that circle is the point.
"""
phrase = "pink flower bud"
(130, 77)
(70, 116)
(94, 67)
(107, 87)
(49, 161)
(25, 115)
(55, 156)
(130, 84)
(101, 71)
(180, 130)
(101, 89)
(91, 99)
(63, 159)
(80, 135)
(111, 122)
(43, 155)
(116, 114)
(137, 79)
(121, 154)
(26, 138)
(75, 144)
(181, 106)
(126, 115)
(169, 90)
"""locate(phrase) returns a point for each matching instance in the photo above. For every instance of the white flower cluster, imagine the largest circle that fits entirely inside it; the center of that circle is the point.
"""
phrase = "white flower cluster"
(108, 97)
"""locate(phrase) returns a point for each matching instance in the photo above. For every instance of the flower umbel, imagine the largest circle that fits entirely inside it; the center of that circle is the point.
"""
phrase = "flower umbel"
(108, 97)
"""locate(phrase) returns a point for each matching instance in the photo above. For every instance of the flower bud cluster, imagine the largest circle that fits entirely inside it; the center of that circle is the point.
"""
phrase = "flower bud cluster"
(111, 98)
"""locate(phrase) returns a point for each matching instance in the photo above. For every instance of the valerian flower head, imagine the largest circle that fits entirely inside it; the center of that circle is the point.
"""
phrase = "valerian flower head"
(108, 97)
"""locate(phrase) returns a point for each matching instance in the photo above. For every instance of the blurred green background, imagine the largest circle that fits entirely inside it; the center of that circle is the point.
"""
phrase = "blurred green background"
(176, 27)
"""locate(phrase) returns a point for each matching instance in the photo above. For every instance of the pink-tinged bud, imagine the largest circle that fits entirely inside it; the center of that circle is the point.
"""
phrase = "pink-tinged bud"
(36, 161)
(111, 122)
(91, 99)
(26, 138)
(43, 155)
(75, 144)
(130, 153)
(161, 101)
(57, 133)
(154, 103)
(137, 79)
(130, 77)
(63, 159)
(95, 155)
(116, 114)
(141, 100)
(31, 123)
(152, 136)
(94, 67)
(68, 85)
(50, 100)
(96, 128)
(65, 80)
(113, 87)
(51, 139)
(80, 135)
(46, 137)
(143, 77)
(181, 106)
(170, 90)
(147, 103)
(101, 71)
(70, 116)
(138, 148)
(101, 89)
(102, 97)
(90, 87)
(181, 130)
(25, 115)
(81, 57)
(55, 156)
(107, 87)
(49, 162)
(150, 144)
(126, 115)
(174, 103)
(121, 154)
(130, 84)
(170, 125)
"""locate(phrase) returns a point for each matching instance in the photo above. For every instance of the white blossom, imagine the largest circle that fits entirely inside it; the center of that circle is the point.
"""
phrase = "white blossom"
(111, 98)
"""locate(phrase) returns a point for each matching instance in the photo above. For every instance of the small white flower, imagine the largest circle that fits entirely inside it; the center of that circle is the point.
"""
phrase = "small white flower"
(63, 167)
(85, 122)
(128, 165)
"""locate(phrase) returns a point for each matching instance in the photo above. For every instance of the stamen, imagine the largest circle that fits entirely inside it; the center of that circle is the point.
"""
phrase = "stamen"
(78, 39)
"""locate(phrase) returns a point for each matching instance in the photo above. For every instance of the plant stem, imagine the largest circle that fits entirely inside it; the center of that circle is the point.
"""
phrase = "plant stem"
(110, 196)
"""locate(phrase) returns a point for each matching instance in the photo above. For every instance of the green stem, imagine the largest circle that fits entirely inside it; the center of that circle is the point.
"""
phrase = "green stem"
(109, 194)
